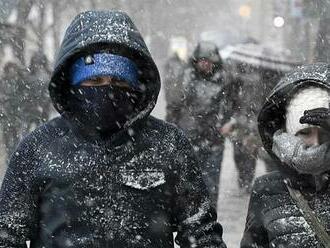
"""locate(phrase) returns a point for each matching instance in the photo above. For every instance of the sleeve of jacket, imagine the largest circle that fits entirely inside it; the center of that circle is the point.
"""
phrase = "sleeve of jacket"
(18, 200)
(233, 90)
(194, 216)
(230, 94)
(255, 236)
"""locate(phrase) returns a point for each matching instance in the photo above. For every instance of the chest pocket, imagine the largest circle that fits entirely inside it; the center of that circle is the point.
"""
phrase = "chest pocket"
(142, 180)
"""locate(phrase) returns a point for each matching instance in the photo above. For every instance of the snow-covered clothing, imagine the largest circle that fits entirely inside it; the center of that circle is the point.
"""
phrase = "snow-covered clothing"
(273, 219)
(68, 187)
(206, 99)
(317, 117)
(306, 159)
(104, 64)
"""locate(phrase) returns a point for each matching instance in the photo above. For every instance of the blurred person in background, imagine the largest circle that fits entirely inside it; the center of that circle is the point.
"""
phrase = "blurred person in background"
(290, 207)
(208, 104)
(256, 70)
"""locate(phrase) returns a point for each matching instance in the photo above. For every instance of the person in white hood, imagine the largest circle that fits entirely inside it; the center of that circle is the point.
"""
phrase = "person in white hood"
(290, 207)
(301, 145)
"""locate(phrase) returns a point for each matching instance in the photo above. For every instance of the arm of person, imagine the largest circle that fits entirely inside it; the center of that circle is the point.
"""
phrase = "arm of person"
(194, 216)
(227, 99)
(232, 114)
(18, 200)
(255, 235)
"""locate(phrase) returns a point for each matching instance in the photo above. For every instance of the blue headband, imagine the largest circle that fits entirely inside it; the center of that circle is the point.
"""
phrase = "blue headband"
(104, 64)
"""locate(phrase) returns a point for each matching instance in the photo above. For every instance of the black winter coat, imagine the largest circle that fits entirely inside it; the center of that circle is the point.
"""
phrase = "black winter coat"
(208, 101)
(273, 218)
(64, 188)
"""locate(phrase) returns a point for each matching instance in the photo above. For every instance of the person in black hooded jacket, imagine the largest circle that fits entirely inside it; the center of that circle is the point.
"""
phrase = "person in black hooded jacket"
(290, 126)
(207, 105)
(105, 173)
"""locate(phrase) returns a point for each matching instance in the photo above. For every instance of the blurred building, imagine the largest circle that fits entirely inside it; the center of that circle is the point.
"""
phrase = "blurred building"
(284, 24)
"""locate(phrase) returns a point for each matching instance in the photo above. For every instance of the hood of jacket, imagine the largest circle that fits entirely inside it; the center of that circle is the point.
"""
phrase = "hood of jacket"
(207, 50)
(272, 114)
(112, 31)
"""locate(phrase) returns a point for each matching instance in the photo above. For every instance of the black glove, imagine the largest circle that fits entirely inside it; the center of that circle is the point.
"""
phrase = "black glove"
(317, 117)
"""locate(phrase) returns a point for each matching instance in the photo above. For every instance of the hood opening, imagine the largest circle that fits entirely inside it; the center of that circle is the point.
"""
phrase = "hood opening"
(110, 31)
(147, 73)
(272, 116)
(207, 50)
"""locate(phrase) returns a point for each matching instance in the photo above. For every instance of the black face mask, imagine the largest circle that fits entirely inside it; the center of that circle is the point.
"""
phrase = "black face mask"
(102, 109)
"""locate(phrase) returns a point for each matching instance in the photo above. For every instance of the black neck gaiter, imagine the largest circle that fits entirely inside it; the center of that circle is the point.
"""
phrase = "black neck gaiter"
(101, 109)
